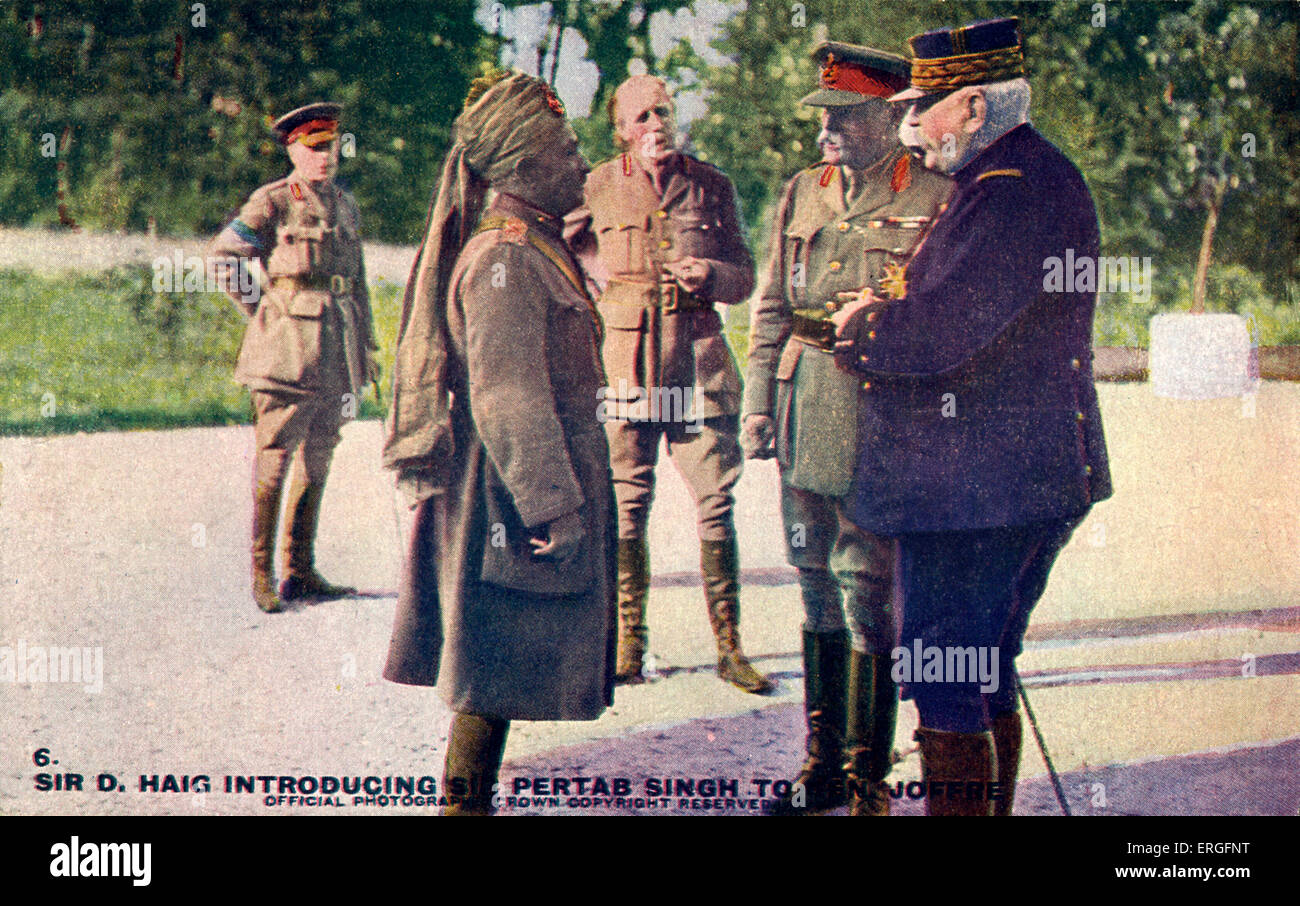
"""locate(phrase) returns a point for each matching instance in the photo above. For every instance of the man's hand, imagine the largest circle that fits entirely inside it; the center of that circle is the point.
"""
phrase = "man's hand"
(756, 437)
(564, 536)
(852, 303)
(690, 273)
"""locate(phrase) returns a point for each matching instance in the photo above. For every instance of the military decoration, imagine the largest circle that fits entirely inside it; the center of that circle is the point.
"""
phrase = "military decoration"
(894, 283)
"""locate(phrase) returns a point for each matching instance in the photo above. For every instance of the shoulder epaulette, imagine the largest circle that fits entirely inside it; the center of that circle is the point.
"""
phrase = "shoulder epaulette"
(516, 231)
(989, 174)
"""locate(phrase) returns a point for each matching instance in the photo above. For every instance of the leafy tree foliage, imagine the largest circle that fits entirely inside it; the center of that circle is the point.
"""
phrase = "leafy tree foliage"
(159, 108)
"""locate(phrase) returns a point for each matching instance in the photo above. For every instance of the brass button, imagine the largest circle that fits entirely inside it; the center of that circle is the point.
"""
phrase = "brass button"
(843, 226)
(872, 315)
(862, 359)
(1087, 470)
(835, 265)
(664, 243)
(661, 214)
(1078, 416)
(871, 334)
(866, 385)
(1074, 363)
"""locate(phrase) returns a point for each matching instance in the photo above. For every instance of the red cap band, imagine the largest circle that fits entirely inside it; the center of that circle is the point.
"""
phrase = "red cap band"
(851, 77)
(309, 127)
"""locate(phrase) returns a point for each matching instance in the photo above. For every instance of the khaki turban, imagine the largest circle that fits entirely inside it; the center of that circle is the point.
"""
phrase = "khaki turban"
(515, 117)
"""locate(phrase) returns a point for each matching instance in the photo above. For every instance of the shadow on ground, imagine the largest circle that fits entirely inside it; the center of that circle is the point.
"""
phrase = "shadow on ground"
(766, 745)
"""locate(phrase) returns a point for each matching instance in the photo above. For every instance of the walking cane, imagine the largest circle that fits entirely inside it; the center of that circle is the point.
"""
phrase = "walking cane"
(1042, 747)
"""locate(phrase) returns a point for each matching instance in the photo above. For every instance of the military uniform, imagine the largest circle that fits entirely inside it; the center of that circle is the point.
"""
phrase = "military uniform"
(823, 244)
(306, 352)
(670, 374)
(982, 443)
(498, 630)
(507, 595)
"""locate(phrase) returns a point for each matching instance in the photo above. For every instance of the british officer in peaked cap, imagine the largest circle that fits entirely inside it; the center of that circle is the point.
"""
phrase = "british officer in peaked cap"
(982, 445)
(307, 350)
(842, 225)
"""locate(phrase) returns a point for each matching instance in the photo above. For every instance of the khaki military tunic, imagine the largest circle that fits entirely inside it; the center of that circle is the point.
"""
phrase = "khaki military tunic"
(669, 368)
(309, 339)
(824, 244)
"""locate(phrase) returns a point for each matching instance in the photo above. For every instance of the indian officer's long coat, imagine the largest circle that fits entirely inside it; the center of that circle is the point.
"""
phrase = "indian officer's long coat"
(503, 633)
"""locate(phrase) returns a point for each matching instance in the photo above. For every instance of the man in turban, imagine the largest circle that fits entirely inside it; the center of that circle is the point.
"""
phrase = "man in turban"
(507, 596)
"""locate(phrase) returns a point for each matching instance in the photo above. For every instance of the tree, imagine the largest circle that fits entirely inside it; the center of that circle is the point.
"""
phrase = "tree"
(165, 104)
(1204, 54)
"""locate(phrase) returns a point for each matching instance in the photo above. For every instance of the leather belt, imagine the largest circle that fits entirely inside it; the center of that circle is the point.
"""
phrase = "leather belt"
(332, 283)
(814, 327)
(669, 297)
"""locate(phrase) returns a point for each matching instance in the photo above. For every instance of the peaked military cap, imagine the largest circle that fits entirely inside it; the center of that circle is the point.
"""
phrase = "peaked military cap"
(311, 125)
(850, 74)
(946, 59)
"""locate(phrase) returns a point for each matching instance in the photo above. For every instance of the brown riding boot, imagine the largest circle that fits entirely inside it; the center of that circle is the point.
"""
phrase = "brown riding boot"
(633, 583)
(963, 764)
(869, 734)
(821, 779)
(1007, 737)
(266, 514)
(474, 750)
(719, 561)
(301, 579)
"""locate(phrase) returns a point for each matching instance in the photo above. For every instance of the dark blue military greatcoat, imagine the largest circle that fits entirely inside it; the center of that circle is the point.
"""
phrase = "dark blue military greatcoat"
(980, 409)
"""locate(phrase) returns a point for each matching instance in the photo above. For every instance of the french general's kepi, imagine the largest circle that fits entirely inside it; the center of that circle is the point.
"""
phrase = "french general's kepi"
(950, 58)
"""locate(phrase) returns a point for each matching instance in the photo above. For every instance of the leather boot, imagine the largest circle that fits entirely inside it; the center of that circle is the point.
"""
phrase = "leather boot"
(633, 583)
(266, 514)
(869, 734)
(1007, 736)
(720, 563)
(301, 579)
(822, 776)
(956, 758)
(474, 749)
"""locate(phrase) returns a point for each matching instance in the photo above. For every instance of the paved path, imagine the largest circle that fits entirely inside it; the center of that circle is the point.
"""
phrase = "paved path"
(1162, 658)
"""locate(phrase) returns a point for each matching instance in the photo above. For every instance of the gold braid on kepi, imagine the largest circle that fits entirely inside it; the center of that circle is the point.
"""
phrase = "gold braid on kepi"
(977, 54)
(947, 73)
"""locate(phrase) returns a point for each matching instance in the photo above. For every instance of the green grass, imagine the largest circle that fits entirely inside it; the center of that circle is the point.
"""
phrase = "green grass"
(97, 352)
(103, 351)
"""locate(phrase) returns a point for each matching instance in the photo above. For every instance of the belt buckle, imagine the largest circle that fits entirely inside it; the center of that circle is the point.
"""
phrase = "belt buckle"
(338, 284)
(669, 299)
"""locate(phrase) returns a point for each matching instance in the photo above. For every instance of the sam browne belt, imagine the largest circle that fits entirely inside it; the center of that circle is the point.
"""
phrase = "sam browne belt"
(666, 296)
(332, 283)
